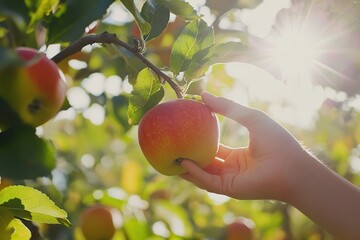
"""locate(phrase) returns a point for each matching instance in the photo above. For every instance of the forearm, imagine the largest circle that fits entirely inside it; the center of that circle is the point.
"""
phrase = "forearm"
(326, 198)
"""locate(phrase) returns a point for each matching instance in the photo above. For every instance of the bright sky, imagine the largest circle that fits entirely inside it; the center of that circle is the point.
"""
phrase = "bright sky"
(261, 19)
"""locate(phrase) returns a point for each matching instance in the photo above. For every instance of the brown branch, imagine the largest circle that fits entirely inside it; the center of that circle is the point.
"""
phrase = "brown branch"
(109, 38)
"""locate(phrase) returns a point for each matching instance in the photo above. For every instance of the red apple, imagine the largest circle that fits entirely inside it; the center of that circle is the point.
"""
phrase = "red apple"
(34, 92)
(178, 129)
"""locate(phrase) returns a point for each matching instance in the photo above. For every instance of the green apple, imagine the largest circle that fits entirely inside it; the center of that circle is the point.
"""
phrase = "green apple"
(176, 130)
(33, 93)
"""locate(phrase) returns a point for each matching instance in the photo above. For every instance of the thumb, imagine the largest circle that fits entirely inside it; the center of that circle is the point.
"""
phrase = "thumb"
(228, 108)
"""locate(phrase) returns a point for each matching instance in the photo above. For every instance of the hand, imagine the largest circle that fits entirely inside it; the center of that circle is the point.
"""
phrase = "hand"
(276, 166)
(261, 170)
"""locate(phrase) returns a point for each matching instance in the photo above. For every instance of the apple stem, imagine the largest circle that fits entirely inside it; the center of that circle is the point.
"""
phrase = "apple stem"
(179, 160)
(109, 38)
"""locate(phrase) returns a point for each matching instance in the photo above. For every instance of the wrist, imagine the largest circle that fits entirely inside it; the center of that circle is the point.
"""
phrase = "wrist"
(299, 177)
(325, 197)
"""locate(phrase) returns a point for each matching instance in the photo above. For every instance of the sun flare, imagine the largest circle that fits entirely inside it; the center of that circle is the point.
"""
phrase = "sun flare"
(295, 53)
(309, 43)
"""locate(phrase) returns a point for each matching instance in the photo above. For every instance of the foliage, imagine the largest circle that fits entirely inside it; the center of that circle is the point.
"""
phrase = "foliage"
(26, 203)
(89, 152)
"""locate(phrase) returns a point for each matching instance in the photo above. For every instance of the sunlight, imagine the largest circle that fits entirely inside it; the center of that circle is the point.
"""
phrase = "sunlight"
(295, 53)
(259, 21)
(295, 103)
(307, 52)
(95, 114)
(306, 44)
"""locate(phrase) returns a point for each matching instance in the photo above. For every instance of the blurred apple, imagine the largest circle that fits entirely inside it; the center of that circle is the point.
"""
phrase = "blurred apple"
(34, 92)
(178, 129)
(96, 223)
(240, 229)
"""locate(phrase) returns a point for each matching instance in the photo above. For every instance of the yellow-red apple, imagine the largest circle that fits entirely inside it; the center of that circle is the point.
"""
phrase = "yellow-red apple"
(176, 130)
(96, 223)
(34, 92)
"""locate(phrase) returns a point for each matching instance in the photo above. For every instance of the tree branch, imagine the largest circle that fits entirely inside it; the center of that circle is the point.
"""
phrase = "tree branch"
(109, 38)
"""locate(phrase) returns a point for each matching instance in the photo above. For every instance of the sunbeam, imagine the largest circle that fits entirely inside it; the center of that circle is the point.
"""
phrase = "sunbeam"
(310, 42)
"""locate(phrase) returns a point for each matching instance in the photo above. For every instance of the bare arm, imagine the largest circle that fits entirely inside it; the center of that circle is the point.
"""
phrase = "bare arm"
(276, 166)
(326, 198)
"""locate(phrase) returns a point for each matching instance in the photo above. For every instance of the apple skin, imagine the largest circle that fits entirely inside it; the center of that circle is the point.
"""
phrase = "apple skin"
(34, 92)
(96, 223)
(178, 129)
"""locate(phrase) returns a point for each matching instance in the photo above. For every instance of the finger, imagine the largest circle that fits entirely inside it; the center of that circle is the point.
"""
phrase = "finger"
(215, 167)
(230, 109)
(194, 169)
(188, 177)
(200, 177)
(223, 151)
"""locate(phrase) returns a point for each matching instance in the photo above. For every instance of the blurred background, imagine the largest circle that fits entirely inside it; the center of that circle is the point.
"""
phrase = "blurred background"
(301, 67)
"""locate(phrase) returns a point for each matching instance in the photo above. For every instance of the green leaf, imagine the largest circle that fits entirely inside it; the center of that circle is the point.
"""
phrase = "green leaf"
(21, 232)
(158, 17)
(38, 10)
(144, 26)
(16, 11)
(195, 37)
(131, 65)
(175, 216)
(24, 155)
(136, 228)
(147, 92)
(12, 118)
(120, 105)
(33, 205)
(70, 23)
(5, 218)
(14, 18)
(217, 53)
(12, 228)
(180, 8)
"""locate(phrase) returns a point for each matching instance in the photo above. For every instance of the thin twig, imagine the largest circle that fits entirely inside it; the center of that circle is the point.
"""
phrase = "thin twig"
(109, 38)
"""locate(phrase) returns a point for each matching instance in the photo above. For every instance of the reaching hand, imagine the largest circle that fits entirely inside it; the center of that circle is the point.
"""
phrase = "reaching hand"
(276, 166)
(257, 171)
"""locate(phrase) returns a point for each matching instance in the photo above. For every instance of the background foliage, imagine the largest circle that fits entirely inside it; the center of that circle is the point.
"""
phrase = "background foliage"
(97, 155)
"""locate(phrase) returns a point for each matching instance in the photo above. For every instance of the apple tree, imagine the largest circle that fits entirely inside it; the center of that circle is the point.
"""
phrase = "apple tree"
(118, 60)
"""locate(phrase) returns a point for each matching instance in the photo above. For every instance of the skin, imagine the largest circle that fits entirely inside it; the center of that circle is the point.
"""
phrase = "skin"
(276, 166)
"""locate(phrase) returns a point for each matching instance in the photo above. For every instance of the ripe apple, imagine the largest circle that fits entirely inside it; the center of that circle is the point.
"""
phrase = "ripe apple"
(240, 229)
(34, 93)
(96, 223)
(178, 129)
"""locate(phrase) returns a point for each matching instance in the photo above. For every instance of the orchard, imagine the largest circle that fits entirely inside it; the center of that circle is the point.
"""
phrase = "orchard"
(101, 100)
